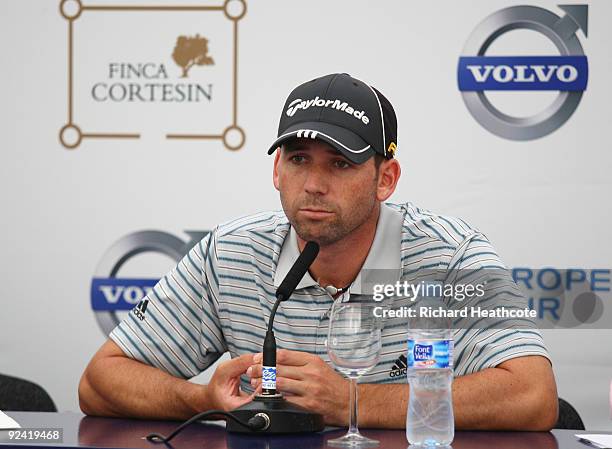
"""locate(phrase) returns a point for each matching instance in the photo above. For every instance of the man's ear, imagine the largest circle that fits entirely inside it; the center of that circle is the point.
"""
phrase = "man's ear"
(277, 155)
(388, 176)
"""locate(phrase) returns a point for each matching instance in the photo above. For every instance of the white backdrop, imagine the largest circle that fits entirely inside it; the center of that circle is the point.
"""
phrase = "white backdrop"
(543, 203)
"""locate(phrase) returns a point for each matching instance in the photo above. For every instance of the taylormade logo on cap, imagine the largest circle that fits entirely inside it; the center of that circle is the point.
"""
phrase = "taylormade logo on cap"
(298, 104)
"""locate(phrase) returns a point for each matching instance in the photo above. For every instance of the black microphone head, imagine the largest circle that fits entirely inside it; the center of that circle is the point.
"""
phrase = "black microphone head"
(298, 270)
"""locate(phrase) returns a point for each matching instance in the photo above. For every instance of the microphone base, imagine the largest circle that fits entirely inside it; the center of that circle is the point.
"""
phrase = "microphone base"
(284, 417)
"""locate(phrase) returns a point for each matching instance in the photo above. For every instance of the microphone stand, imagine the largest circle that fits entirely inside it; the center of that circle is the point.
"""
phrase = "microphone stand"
(280, 416)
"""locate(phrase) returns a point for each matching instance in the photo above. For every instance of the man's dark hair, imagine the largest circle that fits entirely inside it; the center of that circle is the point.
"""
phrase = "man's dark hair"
(378, 160)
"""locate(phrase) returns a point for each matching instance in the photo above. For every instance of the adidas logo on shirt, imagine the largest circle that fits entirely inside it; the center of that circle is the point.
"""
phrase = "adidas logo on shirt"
(140, 309)
(399, 367)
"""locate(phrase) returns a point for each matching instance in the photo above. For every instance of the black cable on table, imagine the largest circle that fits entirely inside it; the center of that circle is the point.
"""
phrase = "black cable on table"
(255, 423)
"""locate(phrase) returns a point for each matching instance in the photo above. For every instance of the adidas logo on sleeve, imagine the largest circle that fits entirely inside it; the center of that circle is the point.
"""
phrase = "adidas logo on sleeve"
(140, 309)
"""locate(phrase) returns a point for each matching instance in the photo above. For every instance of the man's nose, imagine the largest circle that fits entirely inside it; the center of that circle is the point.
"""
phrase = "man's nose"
(317, 181)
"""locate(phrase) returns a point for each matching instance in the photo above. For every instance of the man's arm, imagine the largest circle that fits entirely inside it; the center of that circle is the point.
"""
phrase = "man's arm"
(141, 370)
(116, 385)
(518, 394)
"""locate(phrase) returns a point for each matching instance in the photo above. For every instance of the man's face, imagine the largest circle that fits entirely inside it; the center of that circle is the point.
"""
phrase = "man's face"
(324, 195)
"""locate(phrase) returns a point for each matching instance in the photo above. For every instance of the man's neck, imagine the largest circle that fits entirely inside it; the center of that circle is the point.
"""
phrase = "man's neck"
(339, 264)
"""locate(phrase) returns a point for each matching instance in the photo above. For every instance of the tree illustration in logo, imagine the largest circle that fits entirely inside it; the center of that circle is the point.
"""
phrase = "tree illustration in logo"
(190, 51)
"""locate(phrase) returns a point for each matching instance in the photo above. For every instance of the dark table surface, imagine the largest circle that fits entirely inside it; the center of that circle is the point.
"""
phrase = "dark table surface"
(86, 431)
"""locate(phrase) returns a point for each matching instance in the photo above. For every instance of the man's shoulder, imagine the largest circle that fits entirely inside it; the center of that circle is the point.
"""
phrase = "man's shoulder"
(263, 229)
(425, 225)
(265, 221)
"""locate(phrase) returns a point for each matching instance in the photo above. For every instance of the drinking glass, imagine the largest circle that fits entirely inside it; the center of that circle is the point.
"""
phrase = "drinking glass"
(353, 346)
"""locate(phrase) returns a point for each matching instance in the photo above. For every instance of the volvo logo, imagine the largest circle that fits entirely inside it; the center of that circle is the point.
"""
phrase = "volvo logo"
(111, 293)
(566, 73)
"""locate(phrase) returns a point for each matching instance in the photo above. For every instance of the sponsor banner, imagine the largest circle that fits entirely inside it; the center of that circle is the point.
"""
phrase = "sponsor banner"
(111, 293)
(166, 70)
(562, 73)
(119, 293)
(567, 72)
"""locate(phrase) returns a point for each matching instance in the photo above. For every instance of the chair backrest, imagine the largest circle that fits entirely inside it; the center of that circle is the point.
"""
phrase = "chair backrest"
(20, 395)
(568, 417)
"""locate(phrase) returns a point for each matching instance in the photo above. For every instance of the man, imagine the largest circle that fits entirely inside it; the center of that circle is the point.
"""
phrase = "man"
(334, 166)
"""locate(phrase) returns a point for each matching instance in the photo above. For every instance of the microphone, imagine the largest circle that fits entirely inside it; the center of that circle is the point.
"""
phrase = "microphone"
(297, 271)
(279, 415)
(284, 291)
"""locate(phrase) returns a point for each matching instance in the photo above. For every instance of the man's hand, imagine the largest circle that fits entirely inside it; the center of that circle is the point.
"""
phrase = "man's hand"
(116, 385)
(309, 382)
(223, 391)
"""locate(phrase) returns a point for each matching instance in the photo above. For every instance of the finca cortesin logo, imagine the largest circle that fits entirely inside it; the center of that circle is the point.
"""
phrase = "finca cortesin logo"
(135, 78)
(151, 81)
(190, 51)
(566, 73)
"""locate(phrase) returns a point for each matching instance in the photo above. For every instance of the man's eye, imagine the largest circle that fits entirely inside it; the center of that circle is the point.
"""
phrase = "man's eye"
(341, 164)
(297, 159)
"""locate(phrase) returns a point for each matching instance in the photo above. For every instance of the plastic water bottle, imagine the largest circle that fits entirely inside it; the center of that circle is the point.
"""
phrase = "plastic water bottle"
(430, 421)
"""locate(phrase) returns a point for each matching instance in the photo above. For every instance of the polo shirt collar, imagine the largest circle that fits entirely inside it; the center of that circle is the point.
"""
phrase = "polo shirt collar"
(382, 265)
(287, 257)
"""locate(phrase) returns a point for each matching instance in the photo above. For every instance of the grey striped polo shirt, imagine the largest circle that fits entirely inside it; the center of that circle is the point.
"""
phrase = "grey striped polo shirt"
(219, 296)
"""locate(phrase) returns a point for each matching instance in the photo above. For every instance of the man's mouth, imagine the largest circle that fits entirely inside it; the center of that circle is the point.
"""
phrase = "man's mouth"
(315, 213)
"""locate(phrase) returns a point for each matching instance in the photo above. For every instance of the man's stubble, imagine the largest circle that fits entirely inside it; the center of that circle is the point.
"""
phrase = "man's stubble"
(333, 229)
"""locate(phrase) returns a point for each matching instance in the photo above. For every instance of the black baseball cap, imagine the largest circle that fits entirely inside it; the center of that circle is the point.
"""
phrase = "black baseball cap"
(351, 116)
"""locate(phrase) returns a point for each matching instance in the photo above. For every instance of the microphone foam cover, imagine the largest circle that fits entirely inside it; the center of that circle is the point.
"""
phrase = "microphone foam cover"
(298, 270)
